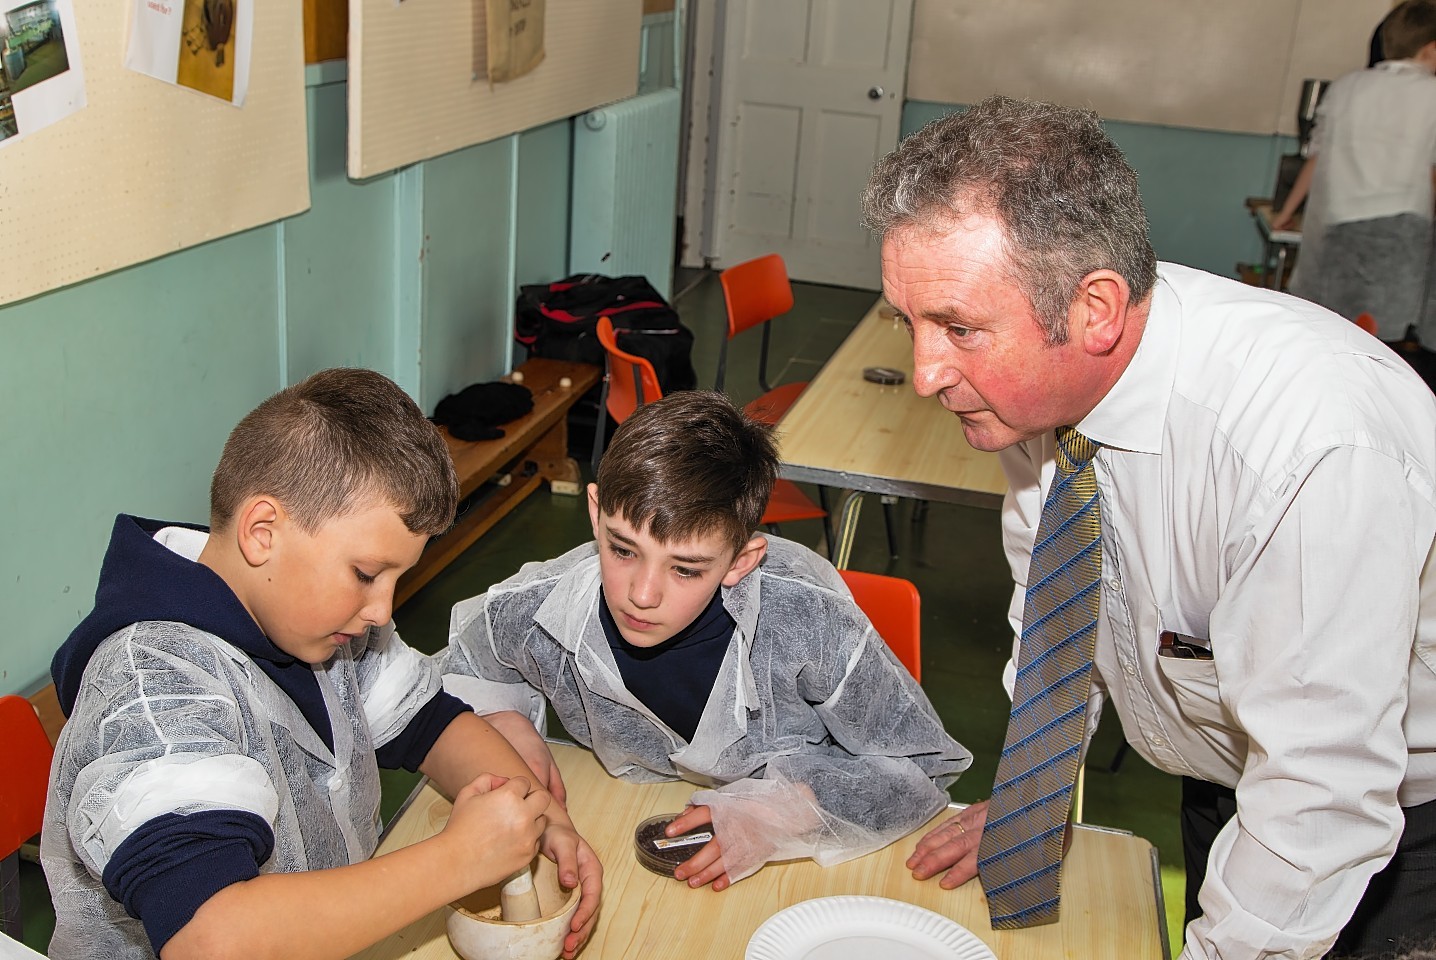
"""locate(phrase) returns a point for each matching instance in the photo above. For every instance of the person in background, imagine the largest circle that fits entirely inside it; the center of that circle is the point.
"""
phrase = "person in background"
(1366, 230)
(234, 692)
(682, 644)
(1220, 517)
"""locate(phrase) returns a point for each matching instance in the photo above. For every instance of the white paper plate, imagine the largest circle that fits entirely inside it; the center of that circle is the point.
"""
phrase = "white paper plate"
(863, 928)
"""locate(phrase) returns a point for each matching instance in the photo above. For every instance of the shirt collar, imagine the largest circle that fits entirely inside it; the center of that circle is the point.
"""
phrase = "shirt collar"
(1133, 414)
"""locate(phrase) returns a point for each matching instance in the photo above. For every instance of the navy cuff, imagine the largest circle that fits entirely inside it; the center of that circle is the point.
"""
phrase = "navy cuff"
(166, 870)
(414, 742)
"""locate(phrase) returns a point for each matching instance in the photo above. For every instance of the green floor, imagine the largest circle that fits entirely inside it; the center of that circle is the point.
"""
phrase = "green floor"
(954, 556)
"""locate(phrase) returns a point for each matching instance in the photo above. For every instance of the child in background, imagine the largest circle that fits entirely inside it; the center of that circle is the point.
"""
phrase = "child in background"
(1366, 231)
(233, 694)
(679, 644)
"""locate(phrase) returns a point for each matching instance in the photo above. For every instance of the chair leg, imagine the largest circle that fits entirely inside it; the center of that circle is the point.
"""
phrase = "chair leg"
(1118, 757)
(827, 517)
(11, 922)
(890, 522)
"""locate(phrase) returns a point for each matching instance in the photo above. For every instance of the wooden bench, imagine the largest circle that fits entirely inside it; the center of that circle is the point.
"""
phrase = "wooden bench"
(534, 448)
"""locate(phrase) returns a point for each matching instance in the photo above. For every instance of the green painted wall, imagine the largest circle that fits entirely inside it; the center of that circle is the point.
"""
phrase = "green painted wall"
(118, 392)
(1194, 183)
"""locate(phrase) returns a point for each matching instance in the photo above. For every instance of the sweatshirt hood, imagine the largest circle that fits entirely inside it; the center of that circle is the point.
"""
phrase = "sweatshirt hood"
(149, 578)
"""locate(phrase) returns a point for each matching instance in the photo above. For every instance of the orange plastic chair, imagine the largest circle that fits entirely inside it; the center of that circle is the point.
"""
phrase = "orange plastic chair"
(25, 755)
(895, 609)
(755, 292)
(1367, 322)
(631, 382)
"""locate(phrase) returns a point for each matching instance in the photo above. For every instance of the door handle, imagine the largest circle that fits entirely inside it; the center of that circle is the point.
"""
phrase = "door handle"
(875, 93)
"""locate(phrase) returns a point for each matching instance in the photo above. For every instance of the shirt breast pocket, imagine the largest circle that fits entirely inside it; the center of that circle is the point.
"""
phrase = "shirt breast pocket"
(1187, 666)
(1194, 685)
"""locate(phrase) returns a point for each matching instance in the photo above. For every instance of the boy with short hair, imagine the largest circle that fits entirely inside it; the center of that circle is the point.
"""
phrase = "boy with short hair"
(233, 694)
(680, 644)
(1366, 231)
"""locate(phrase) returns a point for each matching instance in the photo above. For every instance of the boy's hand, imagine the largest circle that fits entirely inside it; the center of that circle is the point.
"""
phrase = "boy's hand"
(495, 828)
(527, 743)
(578, 866)
(706, 865)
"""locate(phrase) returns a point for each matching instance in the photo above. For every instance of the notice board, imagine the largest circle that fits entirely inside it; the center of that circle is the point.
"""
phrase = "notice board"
(147, 168)
(417, 87)
(1218, 64)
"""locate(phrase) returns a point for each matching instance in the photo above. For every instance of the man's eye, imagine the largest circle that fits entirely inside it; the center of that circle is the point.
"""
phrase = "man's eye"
(363, 577)
(958, 332)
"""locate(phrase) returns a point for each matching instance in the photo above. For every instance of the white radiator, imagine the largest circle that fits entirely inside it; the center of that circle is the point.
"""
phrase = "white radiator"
(625, 189)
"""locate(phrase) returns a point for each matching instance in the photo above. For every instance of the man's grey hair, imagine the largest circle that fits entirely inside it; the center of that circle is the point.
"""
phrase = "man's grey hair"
(1067, 199)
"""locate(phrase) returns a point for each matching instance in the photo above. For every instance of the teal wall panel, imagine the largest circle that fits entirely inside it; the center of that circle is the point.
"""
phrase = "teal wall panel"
(545, 170)
(117, 396)
(467, 268)
(1193, 182)
(339, 257)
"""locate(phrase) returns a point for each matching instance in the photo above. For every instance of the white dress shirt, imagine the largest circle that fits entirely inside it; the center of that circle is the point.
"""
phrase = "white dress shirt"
(1266, 484)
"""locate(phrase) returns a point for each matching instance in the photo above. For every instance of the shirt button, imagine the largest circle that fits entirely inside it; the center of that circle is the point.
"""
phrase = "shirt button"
(1159, 742)
(335, 782)
(1130, 667)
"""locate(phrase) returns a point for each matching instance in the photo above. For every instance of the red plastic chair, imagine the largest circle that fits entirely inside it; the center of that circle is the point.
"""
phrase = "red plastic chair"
(895, 609)
(755, 292)
(632, 382)
(25, 755)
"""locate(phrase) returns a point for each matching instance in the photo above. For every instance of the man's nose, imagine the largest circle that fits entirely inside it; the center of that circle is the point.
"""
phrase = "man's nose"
(932, 365)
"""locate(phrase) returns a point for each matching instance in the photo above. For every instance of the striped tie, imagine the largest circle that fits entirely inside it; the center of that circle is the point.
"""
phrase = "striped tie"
(1020, 857)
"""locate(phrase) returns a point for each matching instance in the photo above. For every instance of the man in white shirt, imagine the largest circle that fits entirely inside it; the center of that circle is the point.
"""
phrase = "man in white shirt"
(1266, 483)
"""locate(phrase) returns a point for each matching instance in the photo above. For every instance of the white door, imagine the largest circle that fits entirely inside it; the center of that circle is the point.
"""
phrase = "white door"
(811, 95)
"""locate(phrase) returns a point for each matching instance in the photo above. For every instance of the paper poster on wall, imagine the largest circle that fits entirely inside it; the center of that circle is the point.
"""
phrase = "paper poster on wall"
(515, 38)
(201, 44)
(41, 81)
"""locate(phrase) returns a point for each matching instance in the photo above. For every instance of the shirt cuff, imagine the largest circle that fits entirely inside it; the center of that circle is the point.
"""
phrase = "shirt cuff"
(168, 868)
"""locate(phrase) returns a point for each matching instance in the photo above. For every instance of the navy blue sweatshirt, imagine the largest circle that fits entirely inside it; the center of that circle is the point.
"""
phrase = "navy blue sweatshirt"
(675, 678)
(165, 870)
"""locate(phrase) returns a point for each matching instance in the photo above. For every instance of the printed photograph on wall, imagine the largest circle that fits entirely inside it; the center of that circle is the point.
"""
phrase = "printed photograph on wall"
(40, 77)
(34, 48)
(200, 44)
(208, 33)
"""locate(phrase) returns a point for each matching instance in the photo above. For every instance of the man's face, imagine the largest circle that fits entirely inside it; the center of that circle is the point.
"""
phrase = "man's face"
(977, 343)
(324, 589)
(655, 589)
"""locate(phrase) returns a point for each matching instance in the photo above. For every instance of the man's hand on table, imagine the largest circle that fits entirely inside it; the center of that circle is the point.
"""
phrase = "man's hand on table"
(952, 844)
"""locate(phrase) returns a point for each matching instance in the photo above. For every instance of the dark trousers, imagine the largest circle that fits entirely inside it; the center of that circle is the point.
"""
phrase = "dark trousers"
(1399, 908)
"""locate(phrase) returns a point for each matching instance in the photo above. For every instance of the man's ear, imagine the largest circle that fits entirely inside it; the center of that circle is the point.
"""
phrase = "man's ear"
(749, 556)
(1099, 310)
(256, 527)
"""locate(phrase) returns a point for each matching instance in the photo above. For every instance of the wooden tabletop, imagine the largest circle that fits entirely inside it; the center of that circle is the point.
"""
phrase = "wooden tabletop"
(847, 432)
(1109, 903)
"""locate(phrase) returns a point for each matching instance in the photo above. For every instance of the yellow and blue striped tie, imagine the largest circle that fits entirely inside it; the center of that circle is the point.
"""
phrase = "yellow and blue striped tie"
(1020, 856)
